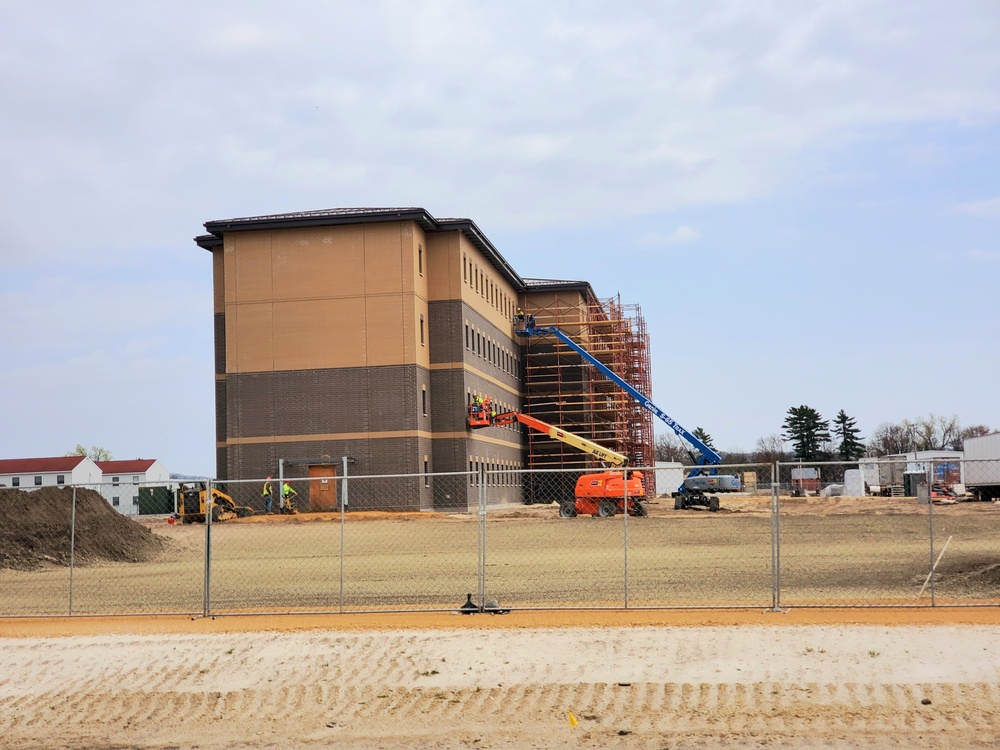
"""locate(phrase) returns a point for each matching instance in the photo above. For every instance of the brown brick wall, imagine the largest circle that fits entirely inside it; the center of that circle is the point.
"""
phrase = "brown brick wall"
(307, 402)
(372, 456)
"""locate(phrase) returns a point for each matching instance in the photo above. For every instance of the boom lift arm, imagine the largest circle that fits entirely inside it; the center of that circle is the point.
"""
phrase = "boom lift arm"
(693, 488)
(601, 494)
(525, 326)
(481, 415)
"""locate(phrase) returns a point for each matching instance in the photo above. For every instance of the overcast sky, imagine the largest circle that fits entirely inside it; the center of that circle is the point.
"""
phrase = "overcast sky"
(802, 197)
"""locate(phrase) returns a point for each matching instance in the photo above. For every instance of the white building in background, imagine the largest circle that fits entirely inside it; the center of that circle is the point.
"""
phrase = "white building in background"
(32, 473)
(669, 477)
(122, 479)
(117, 481)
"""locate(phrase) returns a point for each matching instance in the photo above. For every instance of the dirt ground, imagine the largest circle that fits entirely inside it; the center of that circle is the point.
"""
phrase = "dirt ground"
(639, 678)
(678, 679)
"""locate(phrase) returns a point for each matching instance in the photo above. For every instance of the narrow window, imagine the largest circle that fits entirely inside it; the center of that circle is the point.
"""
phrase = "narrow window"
(466, 335)
(420, 259)
(427, 479)
(421, 330)
(465, 269)
(423, 399)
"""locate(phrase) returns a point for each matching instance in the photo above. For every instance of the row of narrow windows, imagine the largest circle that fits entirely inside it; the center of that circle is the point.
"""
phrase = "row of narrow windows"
(480, 281)
(498, 473)
(494, 353)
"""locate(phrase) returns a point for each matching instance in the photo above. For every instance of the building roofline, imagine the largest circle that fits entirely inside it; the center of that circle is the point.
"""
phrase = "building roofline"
(344, 216)
(559, 285)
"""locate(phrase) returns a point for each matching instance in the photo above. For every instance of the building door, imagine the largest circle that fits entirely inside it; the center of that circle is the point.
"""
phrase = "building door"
(322, 487)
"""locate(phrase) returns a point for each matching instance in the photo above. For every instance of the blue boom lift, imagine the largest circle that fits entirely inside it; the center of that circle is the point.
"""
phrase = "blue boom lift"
(700, 481)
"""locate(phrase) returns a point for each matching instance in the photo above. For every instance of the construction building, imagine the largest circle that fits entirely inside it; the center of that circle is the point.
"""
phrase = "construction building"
(365, 333)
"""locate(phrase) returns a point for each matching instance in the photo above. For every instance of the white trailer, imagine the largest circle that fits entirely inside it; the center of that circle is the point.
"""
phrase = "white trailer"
(982, 466)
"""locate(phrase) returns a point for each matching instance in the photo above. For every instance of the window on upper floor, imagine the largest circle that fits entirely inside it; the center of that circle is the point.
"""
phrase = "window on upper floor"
(115, 480)
(38, 481)
(15, 481)
(60, 479)
(420, 259)
(421, 330)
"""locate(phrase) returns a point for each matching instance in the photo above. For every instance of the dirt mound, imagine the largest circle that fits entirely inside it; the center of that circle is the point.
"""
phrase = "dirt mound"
(35, 529)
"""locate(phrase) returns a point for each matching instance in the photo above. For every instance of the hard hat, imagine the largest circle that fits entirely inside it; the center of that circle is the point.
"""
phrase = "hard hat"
(268, 476)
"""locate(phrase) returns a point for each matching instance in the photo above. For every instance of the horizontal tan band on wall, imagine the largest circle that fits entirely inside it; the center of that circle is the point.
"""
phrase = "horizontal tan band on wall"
(475, 371)
(494, 441)
(263, 439)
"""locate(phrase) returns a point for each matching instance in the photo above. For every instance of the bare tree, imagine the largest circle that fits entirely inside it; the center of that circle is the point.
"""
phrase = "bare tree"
(935, 433)
(668, 447)
(770, 448)
(890, 439)
(976, 430)
(94, 453)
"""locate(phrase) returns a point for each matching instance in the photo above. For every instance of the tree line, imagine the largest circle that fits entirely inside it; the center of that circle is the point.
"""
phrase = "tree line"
(806, 435)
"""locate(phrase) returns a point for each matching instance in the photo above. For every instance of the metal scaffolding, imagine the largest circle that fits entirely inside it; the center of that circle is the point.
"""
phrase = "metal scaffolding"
(563, 389)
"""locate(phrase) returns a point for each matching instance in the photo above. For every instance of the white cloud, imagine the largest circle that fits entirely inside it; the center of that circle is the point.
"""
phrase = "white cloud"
(987, 207)
(613, 112)
(682, 234)
(984, 256)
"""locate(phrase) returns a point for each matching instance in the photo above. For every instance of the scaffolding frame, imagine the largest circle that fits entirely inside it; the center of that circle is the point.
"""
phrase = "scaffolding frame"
(565, 390)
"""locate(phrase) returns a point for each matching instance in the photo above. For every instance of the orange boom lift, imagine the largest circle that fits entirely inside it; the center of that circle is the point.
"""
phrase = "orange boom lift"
(601, 494)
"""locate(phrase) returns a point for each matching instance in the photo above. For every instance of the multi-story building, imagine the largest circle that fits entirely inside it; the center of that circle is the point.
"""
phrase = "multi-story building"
(50, 471)
(365, 333)
(122, 482)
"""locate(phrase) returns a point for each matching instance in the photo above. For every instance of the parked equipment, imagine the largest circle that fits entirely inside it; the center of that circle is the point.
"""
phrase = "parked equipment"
(602, 494)
(691, 492)
(191, 505)
(982, 467)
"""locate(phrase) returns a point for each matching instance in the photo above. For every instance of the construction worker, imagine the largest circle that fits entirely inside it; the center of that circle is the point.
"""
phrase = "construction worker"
(267, 495)
(287, 493)
(519, 318)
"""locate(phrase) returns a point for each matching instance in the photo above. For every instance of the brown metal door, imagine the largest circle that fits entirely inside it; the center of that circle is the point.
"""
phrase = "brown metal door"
(322, 487)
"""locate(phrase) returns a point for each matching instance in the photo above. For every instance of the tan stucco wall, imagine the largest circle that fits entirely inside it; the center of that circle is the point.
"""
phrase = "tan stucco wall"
(324, 297)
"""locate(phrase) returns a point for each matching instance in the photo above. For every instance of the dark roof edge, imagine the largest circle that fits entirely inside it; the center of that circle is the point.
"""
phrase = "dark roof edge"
(362, 216)
(554, 285)
(480, 240)
(208, 241)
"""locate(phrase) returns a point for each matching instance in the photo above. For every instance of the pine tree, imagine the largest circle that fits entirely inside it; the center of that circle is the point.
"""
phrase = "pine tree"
(851, 448)
(704, 437)
(807, 431)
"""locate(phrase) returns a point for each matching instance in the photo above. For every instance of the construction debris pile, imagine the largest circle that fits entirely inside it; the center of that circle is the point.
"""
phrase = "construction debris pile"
(35, 530)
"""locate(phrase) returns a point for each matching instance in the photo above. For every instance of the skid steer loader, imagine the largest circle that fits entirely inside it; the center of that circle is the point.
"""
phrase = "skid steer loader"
(191, 505)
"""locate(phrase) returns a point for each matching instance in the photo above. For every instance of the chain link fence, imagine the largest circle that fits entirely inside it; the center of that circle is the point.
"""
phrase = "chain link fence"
(901, 533)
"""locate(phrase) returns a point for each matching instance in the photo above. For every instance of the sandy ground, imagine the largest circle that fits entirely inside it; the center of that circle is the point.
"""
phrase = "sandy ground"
(585, 679)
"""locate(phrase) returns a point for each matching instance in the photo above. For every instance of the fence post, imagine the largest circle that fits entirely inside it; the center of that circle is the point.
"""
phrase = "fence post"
(343, 521)
(72, 549)
(207, 602)
(625, 533)
(930, 524)
(776, 537)
(481, 565)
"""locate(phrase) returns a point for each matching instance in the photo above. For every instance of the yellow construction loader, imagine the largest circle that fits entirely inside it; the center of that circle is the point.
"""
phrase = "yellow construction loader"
(191, 505)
